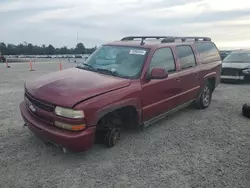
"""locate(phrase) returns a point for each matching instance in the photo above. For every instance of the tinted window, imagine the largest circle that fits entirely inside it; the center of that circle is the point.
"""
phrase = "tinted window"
(208, 52)
(186, 57)
(163, 58)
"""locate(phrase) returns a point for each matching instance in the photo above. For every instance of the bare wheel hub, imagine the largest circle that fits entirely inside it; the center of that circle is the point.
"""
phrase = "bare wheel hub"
(112, 137)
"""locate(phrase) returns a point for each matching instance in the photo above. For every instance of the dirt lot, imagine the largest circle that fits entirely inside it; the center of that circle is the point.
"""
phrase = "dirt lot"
(192, 148)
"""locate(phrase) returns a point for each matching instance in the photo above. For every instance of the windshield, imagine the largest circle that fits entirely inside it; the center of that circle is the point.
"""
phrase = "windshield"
(120, 61)
(240, 57)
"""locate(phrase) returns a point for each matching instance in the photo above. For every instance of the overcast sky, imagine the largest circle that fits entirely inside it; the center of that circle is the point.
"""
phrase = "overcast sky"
(57, 22)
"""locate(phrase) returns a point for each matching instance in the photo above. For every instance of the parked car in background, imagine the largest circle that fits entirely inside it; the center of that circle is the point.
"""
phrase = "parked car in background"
(128, 83)
(236, 66)
(224, 53)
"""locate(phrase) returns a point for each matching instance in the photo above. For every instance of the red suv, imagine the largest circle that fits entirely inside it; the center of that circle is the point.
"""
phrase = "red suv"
(128, 83)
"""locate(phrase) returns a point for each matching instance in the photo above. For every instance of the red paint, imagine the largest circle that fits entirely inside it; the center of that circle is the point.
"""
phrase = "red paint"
(158, 73)
(75, 142)
(98, 94)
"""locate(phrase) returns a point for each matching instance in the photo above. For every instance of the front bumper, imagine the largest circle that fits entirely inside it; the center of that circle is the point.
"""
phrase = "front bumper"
(234, 74)
(227, 77)
(73, 141)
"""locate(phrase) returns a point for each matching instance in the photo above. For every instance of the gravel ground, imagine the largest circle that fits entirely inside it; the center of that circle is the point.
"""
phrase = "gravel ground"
(192, 148)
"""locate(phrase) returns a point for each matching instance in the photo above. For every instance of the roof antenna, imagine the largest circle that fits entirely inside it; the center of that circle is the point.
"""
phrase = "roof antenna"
(142, 41)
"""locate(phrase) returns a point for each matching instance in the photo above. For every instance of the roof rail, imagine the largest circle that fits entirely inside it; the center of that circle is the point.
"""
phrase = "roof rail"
(143, 37)
(184, 39)
(165, 39)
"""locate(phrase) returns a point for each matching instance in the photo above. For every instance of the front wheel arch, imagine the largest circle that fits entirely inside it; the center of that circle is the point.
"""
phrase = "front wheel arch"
(122, 114)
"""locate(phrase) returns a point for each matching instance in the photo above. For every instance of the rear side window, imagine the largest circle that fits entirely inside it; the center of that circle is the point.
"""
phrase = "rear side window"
(163, 58)
(186, 56)
(208, 52)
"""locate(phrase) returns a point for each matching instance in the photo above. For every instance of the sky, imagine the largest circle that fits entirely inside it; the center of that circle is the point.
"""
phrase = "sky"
(57, 22)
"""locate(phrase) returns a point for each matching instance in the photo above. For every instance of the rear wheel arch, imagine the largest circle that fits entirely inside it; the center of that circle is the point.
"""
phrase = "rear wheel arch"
(212, 82)
(211, 78)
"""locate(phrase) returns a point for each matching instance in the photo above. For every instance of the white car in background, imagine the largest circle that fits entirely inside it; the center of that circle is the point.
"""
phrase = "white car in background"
(236, 66)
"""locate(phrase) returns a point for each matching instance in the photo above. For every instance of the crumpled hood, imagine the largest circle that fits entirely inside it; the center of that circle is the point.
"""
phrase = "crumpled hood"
(70, 86)
(236, 65)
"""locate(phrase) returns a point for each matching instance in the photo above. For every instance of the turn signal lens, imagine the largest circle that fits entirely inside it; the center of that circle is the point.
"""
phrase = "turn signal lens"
(69, 127)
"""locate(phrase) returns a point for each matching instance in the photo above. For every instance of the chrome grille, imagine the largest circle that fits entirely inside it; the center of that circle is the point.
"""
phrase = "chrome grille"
(40, 104)
(230, 72)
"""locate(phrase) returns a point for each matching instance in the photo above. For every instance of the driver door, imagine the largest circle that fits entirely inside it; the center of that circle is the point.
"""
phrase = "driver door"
(160, 96)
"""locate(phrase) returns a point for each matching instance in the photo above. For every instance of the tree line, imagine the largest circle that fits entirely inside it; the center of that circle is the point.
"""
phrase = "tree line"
(30, 49)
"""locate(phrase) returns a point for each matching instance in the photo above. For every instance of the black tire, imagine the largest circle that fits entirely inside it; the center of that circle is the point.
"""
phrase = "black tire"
(112, 137)
(246, 110)
(204, 98)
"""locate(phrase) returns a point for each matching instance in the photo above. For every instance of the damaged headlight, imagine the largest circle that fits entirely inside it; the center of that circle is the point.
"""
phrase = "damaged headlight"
(246, 71)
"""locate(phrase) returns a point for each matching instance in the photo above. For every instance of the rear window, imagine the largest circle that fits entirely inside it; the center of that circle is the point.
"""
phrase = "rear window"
(208, 52)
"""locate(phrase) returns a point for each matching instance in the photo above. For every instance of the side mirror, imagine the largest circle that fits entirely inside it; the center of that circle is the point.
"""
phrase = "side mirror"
(158, 73)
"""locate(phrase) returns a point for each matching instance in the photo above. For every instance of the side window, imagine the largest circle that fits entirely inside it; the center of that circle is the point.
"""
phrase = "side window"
(186, 57)
(163, 58)
(208, 52)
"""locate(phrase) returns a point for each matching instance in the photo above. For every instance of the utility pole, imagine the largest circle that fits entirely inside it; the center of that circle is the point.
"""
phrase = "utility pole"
(76, 44)
(77, 38)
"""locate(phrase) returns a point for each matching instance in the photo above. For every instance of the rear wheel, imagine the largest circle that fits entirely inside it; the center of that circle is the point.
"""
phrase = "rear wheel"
(205, 96)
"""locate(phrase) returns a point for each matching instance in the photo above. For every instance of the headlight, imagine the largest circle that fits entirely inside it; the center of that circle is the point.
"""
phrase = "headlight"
(69, 113)
(246, 71)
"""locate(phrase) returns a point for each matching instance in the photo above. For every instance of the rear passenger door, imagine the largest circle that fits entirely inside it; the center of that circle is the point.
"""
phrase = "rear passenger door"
(159, 96)
(188, 73)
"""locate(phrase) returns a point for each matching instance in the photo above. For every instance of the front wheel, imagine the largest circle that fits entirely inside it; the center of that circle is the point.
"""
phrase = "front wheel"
(204, 98)
(112, 137)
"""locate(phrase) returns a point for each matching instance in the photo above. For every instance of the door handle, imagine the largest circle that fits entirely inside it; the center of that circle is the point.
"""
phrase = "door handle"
(197, 74)
(177, 79)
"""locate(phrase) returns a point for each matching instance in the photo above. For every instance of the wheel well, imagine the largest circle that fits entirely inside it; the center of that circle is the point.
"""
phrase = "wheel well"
(212, 82)
(123, 117)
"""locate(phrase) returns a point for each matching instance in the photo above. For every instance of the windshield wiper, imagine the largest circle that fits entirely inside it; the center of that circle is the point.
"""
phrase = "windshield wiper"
(87, 65)
(113, 73)
(110, 72)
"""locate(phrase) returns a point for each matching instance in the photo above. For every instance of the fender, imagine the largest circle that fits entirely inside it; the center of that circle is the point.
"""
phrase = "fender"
(206, 77)
(210, 75)
(115, 106)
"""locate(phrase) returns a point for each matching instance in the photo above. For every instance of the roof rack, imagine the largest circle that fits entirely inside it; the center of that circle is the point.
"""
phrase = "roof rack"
(166, 39)
(143, 37)
(184, 39)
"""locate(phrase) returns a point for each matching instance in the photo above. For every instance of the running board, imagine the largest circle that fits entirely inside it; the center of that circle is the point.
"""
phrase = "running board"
(164, 115)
